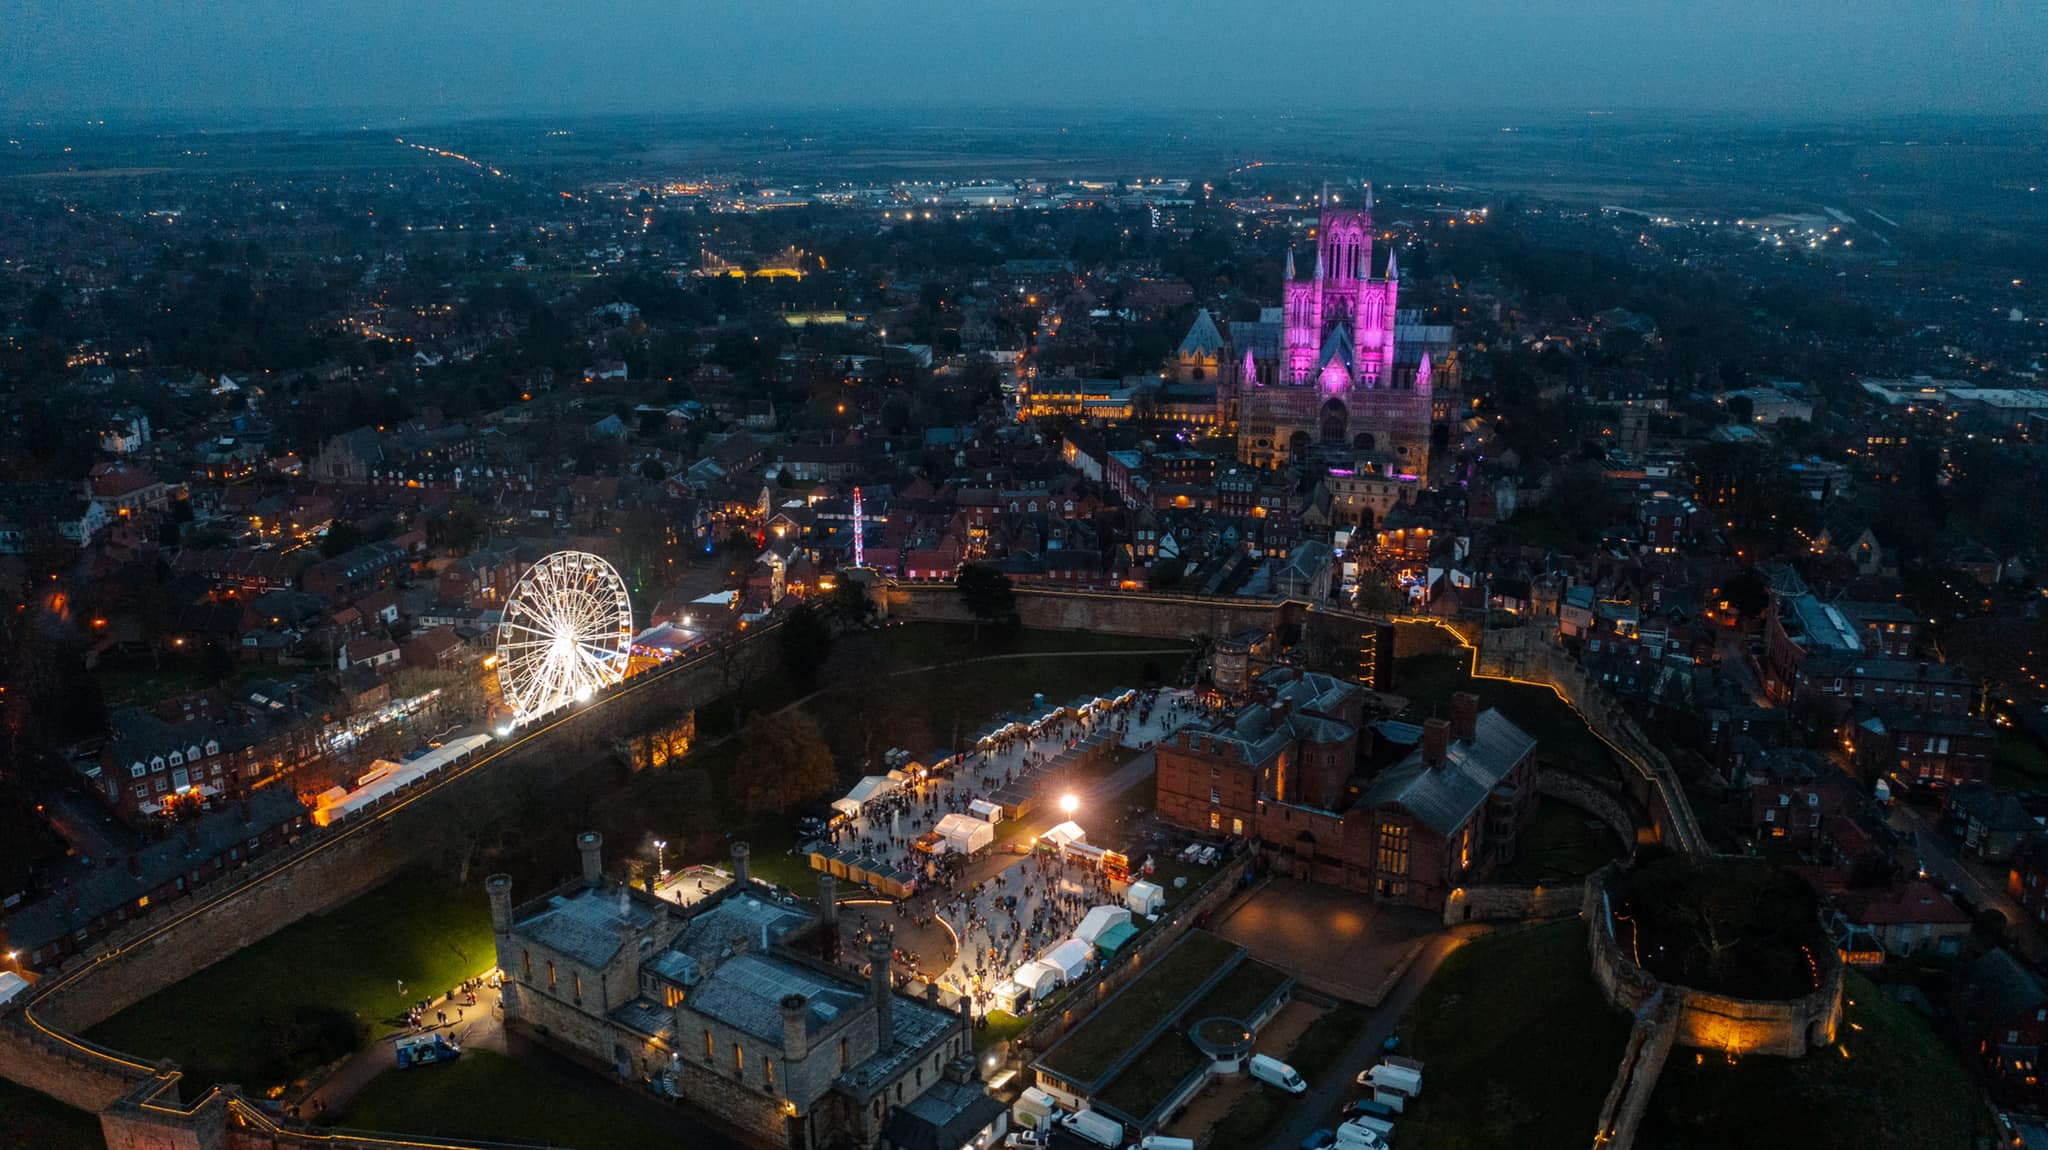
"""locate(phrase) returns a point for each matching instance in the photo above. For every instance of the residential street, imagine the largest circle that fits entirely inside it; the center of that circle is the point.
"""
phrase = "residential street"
(1936, 852)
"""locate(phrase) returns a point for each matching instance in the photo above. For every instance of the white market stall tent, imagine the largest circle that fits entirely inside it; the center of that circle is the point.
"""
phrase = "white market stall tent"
(966, 834)
(1067, 832)
(1099, 919)
(1145, 898)
(1040, 978)
(985, 810)
(1070, 958)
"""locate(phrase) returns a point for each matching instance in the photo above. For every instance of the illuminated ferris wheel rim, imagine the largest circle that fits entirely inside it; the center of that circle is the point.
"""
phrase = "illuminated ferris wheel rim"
(566, 633)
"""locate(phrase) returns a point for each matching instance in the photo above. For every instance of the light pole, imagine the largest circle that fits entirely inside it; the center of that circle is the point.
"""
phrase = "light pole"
(1069, 804)
(660, 872)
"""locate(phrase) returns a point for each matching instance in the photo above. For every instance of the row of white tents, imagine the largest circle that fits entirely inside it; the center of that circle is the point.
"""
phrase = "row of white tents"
(388, 778)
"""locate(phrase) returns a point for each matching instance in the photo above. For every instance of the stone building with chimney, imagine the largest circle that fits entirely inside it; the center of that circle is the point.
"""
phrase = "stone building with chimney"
(1287, 770)
(737, 1006)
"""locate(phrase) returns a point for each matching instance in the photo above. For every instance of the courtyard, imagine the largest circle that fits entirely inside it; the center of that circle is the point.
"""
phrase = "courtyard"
(1337, 941)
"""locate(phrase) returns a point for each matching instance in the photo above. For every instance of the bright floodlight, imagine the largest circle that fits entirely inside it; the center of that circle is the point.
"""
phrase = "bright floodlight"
(1069, 804)
(567, 633)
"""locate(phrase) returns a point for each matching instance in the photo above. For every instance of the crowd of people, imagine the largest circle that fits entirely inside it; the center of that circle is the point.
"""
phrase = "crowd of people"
(1003, 919)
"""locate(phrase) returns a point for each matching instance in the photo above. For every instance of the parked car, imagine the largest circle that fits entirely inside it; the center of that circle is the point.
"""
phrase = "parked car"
(1320, 1140)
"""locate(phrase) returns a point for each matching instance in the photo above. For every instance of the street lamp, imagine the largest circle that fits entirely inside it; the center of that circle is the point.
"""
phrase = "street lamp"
(660, 846)
(1069, 804)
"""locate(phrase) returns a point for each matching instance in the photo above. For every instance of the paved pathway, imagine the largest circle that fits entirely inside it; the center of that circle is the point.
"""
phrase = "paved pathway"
(1328, 1094)
(480, 1029)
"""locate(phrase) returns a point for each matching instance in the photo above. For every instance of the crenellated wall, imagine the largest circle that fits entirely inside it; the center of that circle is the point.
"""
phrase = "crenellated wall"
(1787, 1028)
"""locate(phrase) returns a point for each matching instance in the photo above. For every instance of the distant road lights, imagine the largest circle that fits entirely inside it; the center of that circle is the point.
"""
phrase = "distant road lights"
(1069, 804)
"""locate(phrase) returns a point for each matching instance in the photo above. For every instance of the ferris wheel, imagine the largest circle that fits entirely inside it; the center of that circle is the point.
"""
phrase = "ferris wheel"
(567, 633)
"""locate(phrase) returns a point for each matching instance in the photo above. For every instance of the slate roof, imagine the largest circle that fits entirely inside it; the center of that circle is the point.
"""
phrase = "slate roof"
(1203, 338)
(1445, 797)
(942, 1118)
(746, 991)
(587, 925)
(107, 888)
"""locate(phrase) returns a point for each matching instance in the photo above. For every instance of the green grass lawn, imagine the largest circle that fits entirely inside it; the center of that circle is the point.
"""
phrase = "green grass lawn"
(279, 1008)
(1900, 1087)
(1326, 1039)
(1562, 844)
(1002, 1027)
(1237, 996)
(486, 1095)
(1089, 1048)
(1520, 1044)
(1562, 738)
(1154, 1074)
(29, 1119)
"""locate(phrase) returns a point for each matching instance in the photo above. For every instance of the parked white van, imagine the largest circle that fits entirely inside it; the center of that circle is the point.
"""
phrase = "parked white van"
(1274, 1072)
(1100, 1129)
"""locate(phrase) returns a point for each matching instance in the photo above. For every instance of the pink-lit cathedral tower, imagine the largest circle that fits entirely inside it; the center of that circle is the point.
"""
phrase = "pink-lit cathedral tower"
(1337, 367)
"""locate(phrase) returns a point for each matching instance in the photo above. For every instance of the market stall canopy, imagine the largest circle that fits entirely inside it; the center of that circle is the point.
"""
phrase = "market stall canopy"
(1099, 919)
(1070, 958)
(1067, 832)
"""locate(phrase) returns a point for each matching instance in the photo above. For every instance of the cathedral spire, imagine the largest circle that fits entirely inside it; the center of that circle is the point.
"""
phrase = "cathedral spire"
(1319, 262)
(1368, 198)
(1393, 273)
(1323, 201)
(1251, 369)
(1422, 374)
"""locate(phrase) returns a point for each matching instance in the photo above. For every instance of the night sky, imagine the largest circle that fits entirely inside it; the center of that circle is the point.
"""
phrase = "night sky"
(1790, 59)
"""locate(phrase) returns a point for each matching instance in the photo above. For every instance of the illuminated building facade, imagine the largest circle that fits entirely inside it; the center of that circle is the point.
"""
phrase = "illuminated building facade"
(1337, 368)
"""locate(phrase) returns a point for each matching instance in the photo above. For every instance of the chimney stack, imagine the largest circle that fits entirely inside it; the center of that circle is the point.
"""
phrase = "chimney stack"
(1464, 715)
(243, 806)
(883, 992)
(796, 1041)
(591, 844)
(500, 888)
(70, 897)
(135, 865)
(741, 870)
(191, 836)
(828, 916)
(1436, 742)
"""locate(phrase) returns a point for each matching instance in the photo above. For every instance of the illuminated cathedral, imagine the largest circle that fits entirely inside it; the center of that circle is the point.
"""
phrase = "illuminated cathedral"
(1338, 371)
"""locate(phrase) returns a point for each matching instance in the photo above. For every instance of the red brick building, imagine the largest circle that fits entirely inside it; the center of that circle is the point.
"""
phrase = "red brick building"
(1281, 770)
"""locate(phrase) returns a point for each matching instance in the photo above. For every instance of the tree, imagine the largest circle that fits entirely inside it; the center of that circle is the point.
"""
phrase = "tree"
(1747, 593)
(786, 762)
(341, 536)
(805, 640)
(849, 603)
(987, 595)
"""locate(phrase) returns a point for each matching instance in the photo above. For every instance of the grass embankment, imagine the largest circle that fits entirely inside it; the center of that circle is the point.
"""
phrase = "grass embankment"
(485, 1095)
(1898, 1086)
(1562, 738)
(1562, 844)
(315, 990)
(1089, 1048)
(29, 1119)
(1521, 1046)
